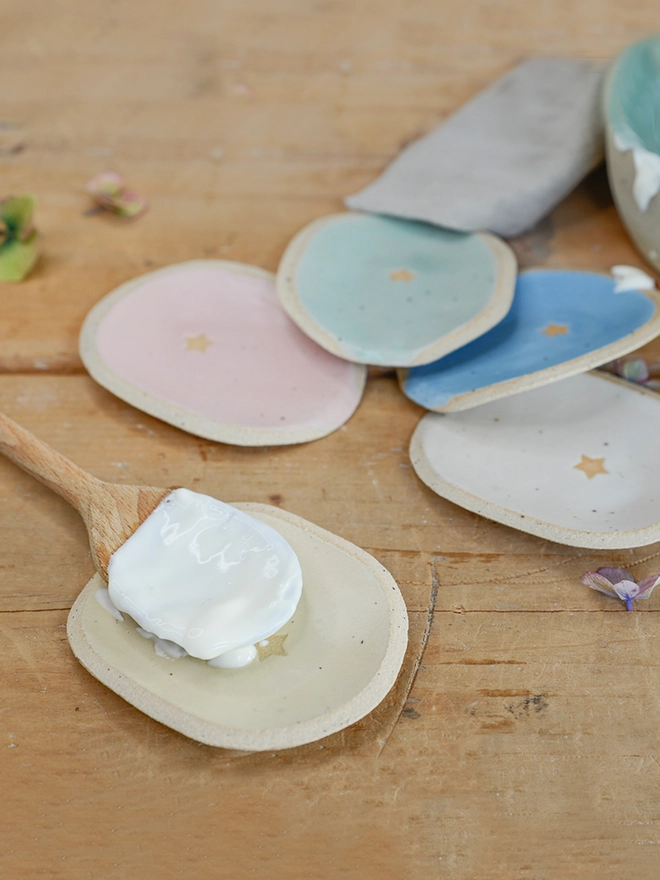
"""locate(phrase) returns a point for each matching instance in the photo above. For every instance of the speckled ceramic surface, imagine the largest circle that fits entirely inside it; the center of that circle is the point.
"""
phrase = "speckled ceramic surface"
(329, 666)
(206, 346)
(574, 462)
(378, 290)
(503, 160)
(632, 133)
(561, 323)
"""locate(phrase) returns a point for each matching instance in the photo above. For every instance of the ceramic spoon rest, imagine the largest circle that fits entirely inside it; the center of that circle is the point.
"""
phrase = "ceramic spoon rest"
(574, 462)
(388, 292)
(329, 666)
(561, 323)
(206, 346)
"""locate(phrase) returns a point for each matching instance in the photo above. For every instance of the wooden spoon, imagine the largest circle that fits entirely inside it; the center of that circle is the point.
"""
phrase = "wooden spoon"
(244, 711)
(111, 512)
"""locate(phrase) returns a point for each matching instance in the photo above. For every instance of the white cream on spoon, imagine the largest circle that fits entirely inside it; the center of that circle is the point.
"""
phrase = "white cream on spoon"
(206, 576)
(104, 600)
(163, 647)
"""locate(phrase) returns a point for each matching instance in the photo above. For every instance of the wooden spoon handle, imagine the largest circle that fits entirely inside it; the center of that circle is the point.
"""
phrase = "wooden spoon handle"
(47, 465)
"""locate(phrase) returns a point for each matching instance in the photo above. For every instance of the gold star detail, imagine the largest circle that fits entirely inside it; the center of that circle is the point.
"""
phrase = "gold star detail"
(402, 275)
(272, 646)
(555, 330)
(198, 343)
(591, 466)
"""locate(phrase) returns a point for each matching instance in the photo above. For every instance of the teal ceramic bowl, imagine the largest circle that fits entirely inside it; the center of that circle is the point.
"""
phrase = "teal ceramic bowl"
(632, 131)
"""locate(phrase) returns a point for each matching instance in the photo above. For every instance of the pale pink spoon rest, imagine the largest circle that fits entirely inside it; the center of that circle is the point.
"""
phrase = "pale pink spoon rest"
(206, 346)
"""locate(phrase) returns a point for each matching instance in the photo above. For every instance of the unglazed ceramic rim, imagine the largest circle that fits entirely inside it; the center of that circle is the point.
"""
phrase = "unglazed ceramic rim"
(497, 307)
(306, 731)
(200, 426)
(539, 378)
(525, 523)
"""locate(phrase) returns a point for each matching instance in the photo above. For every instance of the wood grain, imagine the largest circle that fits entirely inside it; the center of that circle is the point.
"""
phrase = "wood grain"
(517, 647)
(242, 124)
(528, 745)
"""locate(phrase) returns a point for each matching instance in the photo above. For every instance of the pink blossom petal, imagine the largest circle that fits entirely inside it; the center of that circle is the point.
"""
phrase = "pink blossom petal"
(242, 89)
(109, 191)
(107, 184)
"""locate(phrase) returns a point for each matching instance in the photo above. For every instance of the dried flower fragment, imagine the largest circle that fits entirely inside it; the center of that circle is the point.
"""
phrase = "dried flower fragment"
(109, 191)
(621, 584)
(636, 370)
(18, 237)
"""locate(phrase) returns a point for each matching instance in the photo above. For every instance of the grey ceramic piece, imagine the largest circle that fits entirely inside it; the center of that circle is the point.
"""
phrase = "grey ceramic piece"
(505, 159)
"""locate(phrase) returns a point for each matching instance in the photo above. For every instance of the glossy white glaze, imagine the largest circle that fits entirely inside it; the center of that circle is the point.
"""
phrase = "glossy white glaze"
(206, 576)
(631, 278)
(647, 171)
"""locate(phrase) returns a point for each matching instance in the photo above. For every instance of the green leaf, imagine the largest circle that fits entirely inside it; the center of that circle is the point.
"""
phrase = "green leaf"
(129, 204)
(16, 212)
(17, 258)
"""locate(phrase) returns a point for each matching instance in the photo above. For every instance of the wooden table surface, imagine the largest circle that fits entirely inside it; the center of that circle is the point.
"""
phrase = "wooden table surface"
(521, 740)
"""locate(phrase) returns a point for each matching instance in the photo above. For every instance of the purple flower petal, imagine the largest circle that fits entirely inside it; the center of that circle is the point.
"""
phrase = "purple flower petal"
(627, 590)
(597, 582)
(619, 582)
(615, 575)
(647, 586)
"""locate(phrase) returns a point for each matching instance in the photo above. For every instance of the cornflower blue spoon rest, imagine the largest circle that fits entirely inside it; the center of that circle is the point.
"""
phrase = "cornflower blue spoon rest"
(561, 323)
